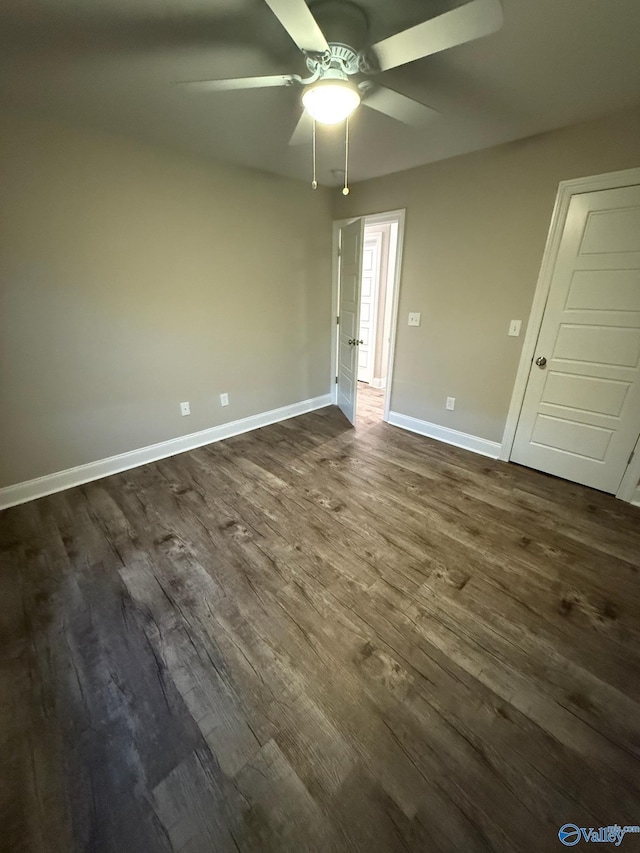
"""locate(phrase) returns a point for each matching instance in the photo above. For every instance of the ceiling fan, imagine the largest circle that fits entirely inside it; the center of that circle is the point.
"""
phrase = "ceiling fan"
(332, 35)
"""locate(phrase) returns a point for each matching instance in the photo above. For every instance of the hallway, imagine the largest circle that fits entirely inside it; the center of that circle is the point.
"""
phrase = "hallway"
(370, 405)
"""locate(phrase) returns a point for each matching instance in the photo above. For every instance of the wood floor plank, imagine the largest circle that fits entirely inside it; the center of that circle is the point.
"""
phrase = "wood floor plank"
(315, 638)
(197, 808)
(282, 815)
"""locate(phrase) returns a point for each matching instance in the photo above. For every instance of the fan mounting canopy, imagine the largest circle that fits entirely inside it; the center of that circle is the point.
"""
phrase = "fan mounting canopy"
(342, 22)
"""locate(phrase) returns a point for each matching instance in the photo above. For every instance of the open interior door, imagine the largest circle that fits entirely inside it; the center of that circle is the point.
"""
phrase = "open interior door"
(350, 273)
(581, 412)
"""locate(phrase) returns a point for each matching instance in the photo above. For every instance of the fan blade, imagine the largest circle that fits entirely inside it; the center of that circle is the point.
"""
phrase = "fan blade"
(466, 23)
(241, 83)
(295, 17)
(303, 130)
(399, 107)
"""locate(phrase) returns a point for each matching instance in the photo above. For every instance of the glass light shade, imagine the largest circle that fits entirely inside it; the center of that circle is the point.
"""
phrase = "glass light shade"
(331, 101)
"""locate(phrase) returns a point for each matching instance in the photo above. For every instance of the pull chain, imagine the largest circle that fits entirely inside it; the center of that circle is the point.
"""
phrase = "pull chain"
(314, 182)
(345, 189)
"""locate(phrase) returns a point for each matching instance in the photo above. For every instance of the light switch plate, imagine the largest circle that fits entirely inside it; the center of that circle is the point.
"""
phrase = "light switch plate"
(514, 328)
(224, 399)
(451, 403)
(414, 318)
(185, 409)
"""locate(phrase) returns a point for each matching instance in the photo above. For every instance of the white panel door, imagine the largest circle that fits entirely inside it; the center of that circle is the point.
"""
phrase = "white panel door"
(350, 271)
(580, 417)
(369, 305)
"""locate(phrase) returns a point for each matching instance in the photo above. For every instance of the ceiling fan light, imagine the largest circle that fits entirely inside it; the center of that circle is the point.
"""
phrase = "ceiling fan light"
(331, 101)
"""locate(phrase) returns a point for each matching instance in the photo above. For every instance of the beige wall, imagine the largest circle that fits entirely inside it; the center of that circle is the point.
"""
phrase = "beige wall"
(475, 232)
(133, 279)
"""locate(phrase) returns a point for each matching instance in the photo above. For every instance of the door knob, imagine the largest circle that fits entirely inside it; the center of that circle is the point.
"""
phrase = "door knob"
(351, 342)
(541, 361)
(359, 342)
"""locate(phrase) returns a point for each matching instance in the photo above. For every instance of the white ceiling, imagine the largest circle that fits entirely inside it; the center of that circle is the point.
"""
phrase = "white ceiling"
(111, 64)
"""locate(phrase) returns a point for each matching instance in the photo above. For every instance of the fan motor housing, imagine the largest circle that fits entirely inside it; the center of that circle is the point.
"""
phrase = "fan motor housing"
(341, 57)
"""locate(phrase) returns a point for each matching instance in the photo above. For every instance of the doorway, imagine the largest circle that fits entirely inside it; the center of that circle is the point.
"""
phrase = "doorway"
(366, 286)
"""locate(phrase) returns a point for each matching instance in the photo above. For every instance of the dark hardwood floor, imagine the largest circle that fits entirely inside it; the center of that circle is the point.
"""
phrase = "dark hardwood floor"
(313, 638)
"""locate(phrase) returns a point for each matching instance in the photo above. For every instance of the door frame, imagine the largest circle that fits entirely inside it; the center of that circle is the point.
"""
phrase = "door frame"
(566, 191)
(398, 216)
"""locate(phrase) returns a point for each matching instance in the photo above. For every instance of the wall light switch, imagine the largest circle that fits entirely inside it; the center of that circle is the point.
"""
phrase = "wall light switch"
(451, 403)
(224, 399)
(414, 318)
(514, 328)
(185, 409)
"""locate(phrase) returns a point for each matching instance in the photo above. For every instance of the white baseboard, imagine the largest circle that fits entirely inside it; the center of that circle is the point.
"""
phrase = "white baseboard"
(448, 436)
(378, 383)
(42, 486)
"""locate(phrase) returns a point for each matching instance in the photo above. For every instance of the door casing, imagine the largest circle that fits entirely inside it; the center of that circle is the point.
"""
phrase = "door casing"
(370, 219)
(566, 190)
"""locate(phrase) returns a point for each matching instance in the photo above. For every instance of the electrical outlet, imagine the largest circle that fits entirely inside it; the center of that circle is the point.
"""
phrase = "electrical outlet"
(185, 409)
(224, 399)
(514, 328)
(451, 403)
(414, 318)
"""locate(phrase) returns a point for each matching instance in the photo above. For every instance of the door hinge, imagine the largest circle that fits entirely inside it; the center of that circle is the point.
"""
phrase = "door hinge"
(633, 453)
(338, 320)
(336, 380)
